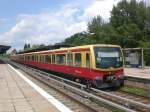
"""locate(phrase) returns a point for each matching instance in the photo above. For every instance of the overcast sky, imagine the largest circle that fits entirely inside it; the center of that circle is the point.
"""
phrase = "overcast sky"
(47, 21)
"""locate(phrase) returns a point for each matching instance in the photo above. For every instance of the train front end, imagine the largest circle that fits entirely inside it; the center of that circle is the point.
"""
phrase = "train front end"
(109, 66)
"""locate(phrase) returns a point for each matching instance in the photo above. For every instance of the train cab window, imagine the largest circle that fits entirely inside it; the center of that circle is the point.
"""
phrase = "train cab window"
(53, 58)
(88, 60)
(78, 61)
(61, 58)
(70, 59)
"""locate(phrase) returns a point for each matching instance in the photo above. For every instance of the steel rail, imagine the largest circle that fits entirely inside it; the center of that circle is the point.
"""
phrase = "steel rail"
(84, 92)
(89, 95)
(128, 101)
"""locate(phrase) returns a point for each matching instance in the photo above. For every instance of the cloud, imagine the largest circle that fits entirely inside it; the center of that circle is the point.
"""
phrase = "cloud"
(53, 27)
(47, 28)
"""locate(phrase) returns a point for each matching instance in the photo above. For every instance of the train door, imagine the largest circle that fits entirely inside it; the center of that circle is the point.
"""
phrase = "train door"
(70, 59)
(69, 62)
(87, 60)
(78, 59)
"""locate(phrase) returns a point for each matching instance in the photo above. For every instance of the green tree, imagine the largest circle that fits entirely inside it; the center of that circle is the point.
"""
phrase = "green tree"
(77, 39)
(25, 46)
(94, 28)
(28, 46)
(128, 20)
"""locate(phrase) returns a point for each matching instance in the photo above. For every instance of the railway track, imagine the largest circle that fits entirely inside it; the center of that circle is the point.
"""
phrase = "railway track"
(94, 99)
(66, 100)
(133, 97)
(75, 102)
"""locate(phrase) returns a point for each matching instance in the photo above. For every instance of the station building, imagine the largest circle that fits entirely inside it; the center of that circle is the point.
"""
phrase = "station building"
(4, 48)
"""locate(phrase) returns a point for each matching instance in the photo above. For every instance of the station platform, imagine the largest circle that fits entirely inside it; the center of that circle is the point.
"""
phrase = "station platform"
(138, 72)
(17, 95)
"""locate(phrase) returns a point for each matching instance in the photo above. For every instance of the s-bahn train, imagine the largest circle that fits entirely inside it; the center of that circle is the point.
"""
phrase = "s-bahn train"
(99, 65)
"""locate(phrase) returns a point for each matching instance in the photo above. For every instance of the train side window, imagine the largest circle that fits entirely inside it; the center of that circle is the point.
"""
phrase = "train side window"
(53, 58)
(35, 57)
(28, 58)
(70, 59)
(32, 57)
(45, 59)
(40, 58)
(78, 61)
(61, 58)
(48, 58)
(88, 60)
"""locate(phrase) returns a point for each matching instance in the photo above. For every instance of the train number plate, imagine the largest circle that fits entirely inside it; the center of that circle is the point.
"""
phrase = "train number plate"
(110, 77)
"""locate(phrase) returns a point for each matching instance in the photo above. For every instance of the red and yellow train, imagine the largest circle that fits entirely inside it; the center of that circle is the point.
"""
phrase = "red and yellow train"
(99, 65)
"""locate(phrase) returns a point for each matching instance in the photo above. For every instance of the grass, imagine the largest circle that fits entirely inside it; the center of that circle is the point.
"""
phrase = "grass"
(136, 90)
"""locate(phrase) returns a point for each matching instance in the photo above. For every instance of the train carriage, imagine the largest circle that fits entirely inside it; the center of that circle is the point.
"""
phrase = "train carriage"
(98, 65)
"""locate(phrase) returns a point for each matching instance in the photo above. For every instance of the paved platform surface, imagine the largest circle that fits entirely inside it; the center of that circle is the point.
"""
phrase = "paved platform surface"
(18, 96)
(138, 72)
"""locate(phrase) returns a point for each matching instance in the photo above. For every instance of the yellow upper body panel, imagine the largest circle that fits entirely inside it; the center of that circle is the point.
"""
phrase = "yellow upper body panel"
(71, 48)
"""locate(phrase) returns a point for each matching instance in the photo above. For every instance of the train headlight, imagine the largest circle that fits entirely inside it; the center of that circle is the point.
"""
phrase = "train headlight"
(99, 78)
(121, 76)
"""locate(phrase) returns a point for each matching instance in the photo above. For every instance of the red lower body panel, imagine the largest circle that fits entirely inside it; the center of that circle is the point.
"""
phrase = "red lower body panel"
(86, 73)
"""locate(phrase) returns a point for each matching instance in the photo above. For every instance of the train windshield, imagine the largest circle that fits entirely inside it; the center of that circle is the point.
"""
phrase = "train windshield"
(107, 57)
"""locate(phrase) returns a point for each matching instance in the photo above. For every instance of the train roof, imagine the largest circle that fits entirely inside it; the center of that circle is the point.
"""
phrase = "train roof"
(70, 48)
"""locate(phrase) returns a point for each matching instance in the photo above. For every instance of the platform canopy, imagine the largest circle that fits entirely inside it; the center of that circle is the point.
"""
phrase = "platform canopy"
(4, 48)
